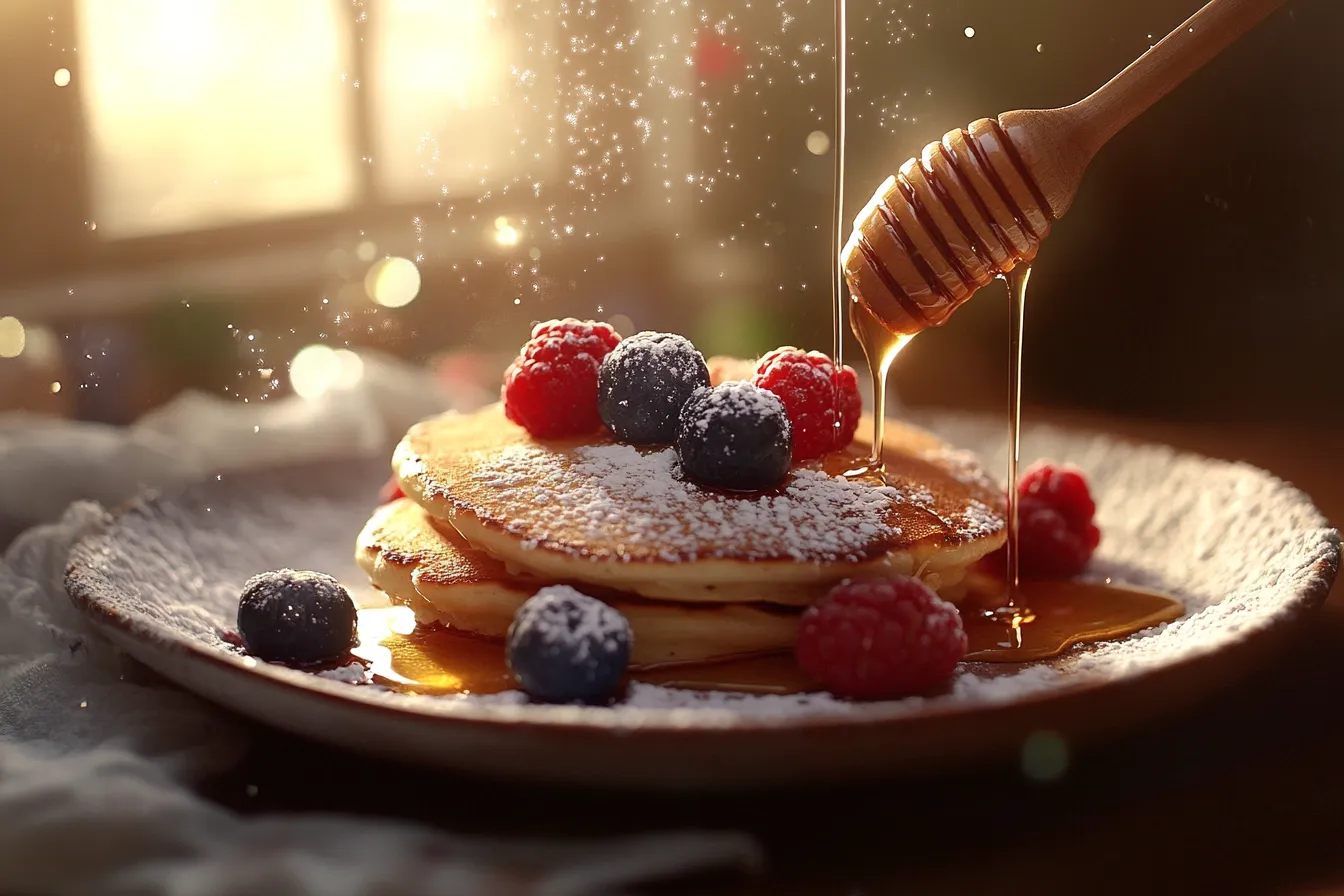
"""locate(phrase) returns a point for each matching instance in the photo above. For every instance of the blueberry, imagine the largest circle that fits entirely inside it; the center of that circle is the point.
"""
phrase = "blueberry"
(301, 618)
(644, 381)
(735, 436)
(567, 647)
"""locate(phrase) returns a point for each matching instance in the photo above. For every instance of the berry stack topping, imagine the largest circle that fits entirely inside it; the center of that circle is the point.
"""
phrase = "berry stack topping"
(643, 383)
(1055, 532)
(735, 436)
(551, 389)
(823, 403)
(300, 618)
(567, 647)
(880, 639)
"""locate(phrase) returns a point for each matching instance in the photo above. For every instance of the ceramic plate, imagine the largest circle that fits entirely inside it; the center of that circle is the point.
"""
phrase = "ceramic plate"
(1245, 552)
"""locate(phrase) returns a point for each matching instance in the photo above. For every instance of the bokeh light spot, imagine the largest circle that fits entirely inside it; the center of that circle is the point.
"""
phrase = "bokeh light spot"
(12, 337)
(818, 143)
(969, 32)
(505, 233)
(313, 371)
(62, 77)
(349, 369)
(1045, 756)
(366, 250)
(622, 324)
(40, 346)
(393, 282)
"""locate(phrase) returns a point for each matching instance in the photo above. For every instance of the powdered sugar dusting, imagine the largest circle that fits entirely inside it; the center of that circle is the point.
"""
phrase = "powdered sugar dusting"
(639, 499)
(734, 399)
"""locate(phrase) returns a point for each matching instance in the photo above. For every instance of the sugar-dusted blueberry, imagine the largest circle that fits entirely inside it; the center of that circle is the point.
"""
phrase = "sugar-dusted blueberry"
(296, 617)
(643, 383)
(567, 647)
(735, 436)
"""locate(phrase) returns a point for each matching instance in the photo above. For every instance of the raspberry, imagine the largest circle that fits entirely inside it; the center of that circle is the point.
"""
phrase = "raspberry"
(880, 639)
(823, 403)
(1063, 488)
(391, 491)
(1055, 532)
(1049, 544)
(551, 389)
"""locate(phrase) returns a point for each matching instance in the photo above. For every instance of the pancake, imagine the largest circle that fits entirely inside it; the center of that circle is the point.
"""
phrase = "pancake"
(433, 570)
(591, 510)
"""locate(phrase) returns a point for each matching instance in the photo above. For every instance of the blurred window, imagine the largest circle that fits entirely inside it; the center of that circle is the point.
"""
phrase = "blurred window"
(441, 81)
(209, 112)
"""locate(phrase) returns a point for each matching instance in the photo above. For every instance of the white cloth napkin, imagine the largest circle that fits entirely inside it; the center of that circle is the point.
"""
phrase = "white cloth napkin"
(97, 761)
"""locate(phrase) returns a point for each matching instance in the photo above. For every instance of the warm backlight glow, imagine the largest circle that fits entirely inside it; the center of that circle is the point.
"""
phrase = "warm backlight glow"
(318, 369)
(393, 282)
(440, 76)
(12, 337)
(208, 112)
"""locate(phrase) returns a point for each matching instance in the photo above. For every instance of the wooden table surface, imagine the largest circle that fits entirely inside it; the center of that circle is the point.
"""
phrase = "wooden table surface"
(1245, 793)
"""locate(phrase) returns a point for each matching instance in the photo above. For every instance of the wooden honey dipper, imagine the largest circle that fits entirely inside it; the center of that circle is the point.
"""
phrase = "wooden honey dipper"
(978, 203)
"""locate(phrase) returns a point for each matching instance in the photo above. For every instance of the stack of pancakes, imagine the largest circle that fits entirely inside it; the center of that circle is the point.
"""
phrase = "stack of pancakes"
(492, 515)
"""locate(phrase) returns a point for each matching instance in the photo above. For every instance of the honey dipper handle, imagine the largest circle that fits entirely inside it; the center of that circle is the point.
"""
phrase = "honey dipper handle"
(1173, 59)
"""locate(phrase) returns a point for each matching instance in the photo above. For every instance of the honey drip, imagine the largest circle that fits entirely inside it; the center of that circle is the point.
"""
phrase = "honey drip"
(1017, 303)
(880, 348)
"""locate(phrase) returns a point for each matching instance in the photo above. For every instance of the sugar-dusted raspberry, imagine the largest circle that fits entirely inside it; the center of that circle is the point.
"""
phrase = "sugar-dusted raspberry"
(1055, 532)
(880, 639)
(551, 389)
(823, 403)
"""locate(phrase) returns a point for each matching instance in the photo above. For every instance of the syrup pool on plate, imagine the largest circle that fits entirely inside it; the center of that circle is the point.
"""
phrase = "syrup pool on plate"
(434, 660)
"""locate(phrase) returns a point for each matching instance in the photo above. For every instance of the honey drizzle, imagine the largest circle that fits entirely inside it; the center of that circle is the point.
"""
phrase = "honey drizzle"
(1008, 622)
(399, 654)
